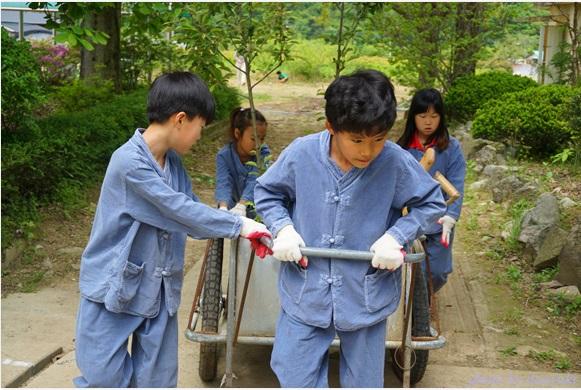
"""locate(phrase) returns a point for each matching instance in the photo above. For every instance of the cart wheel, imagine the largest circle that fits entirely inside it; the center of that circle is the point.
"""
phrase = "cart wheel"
(211, 308)
(420, 327)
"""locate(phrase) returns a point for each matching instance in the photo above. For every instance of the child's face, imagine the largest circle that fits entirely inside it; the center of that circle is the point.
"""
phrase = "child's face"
(355, 150)
(246, 143)
(188, 132)
(427, 123)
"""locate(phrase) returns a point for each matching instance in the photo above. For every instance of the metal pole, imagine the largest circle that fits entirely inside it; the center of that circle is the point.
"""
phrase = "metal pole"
(21, 25)
(231, 322)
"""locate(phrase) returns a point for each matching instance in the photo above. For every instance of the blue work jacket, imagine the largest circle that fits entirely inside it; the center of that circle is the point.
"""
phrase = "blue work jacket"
(139, 231)
(234, 180)
(332, 209)
(452, 165)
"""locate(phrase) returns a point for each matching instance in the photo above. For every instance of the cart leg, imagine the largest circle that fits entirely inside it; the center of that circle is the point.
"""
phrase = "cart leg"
(408, 331)
(231, 320)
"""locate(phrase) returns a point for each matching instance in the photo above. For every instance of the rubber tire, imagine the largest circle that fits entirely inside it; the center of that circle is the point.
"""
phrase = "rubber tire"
(210, 310)
(420, 327)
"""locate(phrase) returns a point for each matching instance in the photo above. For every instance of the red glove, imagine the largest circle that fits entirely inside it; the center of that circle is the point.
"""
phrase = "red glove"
(261, 250)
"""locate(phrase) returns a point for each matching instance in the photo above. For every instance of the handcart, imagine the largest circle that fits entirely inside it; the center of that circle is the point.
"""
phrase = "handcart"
(252, 307)
(252, 304)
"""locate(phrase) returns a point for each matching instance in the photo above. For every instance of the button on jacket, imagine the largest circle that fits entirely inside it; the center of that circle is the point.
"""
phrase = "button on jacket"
(332, 209)
(139, 232)
(452, 165)
(234, 180)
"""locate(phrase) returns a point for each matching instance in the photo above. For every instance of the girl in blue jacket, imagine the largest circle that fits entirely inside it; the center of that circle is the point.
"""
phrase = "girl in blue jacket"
(235, 179)
(426, 128)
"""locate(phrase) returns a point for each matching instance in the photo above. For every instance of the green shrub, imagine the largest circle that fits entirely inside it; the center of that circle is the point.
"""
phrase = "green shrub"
(227, 98)
(81, 95)
(534, 120)
(22, 88)
(469, 93)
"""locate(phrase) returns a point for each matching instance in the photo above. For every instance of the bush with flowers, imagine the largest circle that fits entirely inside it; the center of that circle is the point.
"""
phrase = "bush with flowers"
(58, 63)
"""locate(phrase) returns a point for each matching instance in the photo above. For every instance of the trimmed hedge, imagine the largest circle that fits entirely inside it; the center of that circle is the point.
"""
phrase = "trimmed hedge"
(469, 93)
(536, 120)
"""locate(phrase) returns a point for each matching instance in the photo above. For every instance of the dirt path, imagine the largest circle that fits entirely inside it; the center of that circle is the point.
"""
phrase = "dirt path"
(469, 306)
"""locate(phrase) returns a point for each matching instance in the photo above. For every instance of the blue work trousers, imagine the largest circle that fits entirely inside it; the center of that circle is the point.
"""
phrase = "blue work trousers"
(300, 357)
(440, 259)
(102, 354)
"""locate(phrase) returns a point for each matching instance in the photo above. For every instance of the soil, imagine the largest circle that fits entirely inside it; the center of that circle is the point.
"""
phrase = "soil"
(488, 322)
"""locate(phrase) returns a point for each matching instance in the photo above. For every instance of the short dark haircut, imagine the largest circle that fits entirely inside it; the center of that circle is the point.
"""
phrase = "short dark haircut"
(421, 102)
(362, 102)
(241, 119)
(175, 92)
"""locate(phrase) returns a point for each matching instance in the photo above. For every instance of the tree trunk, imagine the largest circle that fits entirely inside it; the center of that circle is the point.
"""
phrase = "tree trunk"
(104, 62)
(469, 18)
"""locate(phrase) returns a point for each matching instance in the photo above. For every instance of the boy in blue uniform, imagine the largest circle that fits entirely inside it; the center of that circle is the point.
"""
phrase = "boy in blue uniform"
(425, 128)
(343, 188)
(132, 268)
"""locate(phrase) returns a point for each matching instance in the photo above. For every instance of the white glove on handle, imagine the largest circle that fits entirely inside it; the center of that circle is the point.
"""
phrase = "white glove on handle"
(239, 209)
(447, 223)
(250, 226)
(286, 245)
(387, 253)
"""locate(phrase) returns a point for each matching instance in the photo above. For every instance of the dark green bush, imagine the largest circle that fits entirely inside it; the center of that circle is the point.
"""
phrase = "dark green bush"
(227, 98)
(81, 95)
(22, 88)
(71, 150)
(575, 116)
(534, 120)
(469, 93)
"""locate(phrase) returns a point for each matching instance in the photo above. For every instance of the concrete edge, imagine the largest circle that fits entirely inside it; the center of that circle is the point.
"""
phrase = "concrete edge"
(35, 368)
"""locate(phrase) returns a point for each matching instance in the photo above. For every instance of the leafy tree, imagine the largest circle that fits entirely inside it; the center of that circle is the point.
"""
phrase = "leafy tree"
(435, 43)
(248, 28)
(567, 61)
(22, 87)
(96, 28)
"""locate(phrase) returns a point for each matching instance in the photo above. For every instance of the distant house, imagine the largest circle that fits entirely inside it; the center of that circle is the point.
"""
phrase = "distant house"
(555, 31)
(17, 18)
(527, 67)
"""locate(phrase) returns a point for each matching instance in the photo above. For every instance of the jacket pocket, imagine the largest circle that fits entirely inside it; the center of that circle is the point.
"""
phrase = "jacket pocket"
(293, 280)
(130, 281)
(381, 289)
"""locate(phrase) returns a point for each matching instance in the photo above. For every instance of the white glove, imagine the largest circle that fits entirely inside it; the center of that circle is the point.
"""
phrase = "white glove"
(239, 209)
(447, 223)
(250, 226)
(286, 245)
(387, 253)
(223, 208)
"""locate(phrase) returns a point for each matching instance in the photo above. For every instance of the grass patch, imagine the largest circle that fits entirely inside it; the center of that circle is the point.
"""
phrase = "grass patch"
(508, 351)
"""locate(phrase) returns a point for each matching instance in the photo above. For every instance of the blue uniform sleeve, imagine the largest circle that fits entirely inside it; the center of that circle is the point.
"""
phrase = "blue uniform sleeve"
(422, 195)
(275, 191)
(224, 184)
(175, 211)
(456, 173)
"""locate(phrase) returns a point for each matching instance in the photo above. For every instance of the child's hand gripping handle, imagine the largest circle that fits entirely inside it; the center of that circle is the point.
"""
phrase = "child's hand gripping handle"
(345, 253)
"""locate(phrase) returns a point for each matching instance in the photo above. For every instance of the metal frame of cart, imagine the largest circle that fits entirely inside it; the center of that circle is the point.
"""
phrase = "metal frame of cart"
(230, 336)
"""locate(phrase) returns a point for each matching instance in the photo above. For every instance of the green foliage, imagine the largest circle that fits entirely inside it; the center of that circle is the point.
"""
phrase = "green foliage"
(70, 150)
(517, 212)
(508, 351)
(81, 95)
(227, 98)
(469, 93)
(22, 87)
(534, 120)
(563, 363)
(563, 305)
(546, 274)
(71, 25)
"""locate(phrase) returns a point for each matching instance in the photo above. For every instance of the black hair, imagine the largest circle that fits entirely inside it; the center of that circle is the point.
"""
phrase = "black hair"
(241, 119)
(421, 102)
(175, 92)
(362, 102)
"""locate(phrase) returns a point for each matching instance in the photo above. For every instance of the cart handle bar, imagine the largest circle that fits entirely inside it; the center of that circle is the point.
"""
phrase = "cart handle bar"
(346, 254)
